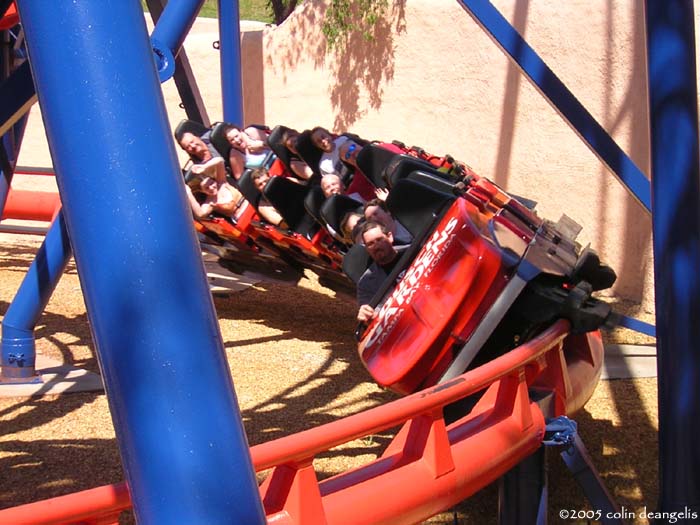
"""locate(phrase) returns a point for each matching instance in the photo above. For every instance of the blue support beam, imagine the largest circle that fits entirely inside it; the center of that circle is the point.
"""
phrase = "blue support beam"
(554, 90)
(175, 413)
(637, 325)
(184, 77)
(676, 224)
(18, 363)
(170, 32)
(231, 70)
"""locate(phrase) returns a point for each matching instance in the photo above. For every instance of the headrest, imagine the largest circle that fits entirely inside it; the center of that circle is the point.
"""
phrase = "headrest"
(429, 178)
(355, 262)
(218, 138)
(261, 127)
(373, 160)
(274, 140)
(313, 201)
(356, 138)
(402, 165)
(308, 152)
(334, 209)
(415, 204)
(189, 126)
(287, 197)
(247, 187)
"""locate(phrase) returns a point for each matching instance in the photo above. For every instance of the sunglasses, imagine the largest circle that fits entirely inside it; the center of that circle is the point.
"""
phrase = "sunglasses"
(350, 151)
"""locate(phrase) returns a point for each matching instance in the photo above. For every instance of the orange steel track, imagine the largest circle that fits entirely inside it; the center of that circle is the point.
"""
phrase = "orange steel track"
(431, 464)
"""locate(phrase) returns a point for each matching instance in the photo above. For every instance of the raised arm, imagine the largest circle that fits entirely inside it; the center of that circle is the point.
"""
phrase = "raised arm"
(214, 167)
(199, 210)
(270, 214)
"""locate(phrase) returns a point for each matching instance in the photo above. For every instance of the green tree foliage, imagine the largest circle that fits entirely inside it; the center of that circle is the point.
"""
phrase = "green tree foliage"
(344, 17)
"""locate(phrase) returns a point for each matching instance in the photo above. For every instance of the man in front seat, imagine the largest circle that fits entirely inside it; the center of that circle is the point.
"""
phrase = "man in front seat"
(379, 242)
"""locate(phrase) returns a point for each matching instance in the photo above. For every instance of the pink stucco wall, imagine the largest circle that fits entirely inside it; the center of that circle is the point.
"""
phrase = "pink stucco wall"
(433, 78)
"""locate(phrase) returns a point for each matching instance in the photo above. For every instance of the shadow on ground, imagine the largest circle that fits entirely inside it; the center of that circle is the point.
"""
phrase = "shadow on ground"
(304, 337)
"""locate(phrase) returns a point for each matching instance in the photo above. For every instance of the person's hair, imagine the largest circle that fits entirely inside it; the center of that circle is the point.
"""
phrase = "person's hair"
(195, 183)
(375, 202)
(357, 230)
(368, 225)
(319, 128)
(229, 127)
(257, 173)
(181, 137)
(314, 130)
(289, 134)
(344, 222)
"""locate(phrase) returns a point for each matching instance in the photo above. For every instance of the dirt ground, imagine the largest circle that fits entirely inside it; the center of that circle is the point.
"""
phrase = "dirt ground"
(289, 375)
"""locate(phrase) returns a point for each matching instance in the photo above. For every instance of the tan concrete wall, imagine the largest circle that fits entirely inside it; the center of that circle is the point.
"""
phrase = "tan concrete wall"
(433, 78)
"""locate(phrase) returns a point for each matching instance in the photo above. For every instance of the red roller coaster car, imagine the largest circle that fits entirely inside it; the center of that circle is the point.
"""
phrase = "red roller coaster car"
(483, 275)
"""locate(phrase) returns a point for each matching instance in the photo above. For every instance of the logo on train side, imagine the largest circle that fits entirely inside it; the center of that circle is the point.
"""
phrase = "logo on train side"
(391, 311)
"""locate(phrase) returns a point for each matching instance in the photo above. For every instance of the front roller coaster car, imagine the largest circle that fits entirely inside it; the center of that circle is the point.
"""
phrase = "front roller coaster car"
(483, 275)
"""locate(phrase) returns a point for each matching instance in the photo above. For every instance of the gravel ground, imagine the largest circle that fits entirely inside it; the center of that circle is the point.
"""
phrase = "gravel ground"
(289, 375)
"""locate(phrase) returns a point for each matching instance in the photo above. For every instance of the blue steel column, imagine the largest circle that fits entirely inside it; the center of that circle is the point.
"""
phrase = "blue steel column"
(18, 349)
(175, 413)
(231, 71)
(676, 222)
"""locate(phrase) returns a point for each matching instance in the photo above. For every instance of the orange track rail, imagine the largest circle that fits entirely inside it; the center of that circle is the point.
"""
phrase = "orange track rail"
(432, 466)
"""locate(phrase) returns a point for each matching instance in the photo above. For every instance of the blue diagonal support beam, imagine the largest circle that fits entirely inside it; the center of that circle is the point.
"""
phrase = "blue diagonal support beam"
(18, 95)
(170, 31)
(637, 325)
(554, 90)
(183, 76)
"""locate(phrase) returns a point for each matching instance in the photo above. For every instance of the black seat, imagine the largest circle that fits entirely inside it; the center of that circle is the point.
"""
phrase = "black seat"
(309, 153)
(432, 180)
(274, 140)
(313, 201)
(402, 165)
(218, 138)
(415, 204)
(356, 138)
(355, 262)
(247, 188)
(189, 126)
(334, 209)
(373, 161)
(287, 197)
(419, 208)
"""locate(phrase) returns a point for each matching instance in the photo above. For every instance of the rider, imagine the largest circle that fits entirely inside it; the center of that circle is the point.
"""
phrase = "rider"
(379, 242)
